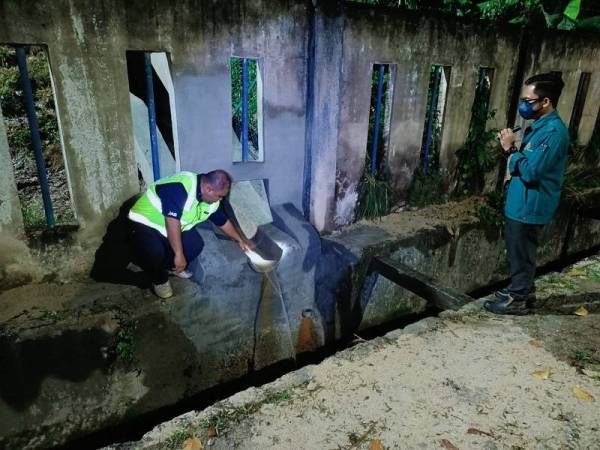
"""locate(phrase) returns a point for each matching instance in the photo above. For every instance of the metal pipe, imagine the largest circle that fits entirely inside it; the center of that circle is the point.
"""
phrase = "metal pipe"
(35, 135)
(377, 119)
(432, 105)
(244, 109)
(151, 116)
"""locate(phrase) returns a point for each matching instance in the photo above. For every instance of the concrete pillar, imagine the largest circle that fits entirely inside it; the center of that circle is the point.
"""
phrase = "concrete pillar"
(408, 115)
(11, 219)
(461, 94)
(591, 110)
(567, 98)
(92, 101)
(323, 115)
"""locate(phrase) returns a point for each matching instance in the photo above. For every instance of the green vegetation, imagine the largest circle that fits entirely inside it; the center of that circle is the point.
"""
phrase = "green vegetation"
(125, 345)
(553, 14)
(226, 418)
(175, 441)
(236, 101)
(585, 357)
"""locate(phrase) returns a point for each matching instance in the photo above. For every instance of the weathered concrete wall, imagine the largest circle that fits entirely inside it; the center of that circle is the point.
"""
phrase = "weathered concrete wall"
(86, 47)
(570, 54)
(413, 44)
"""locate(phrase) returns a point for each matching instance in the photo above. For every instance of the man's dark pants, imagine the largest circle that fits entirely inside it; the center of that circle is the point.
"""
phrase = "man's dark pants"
(521, 247)
(153, 253)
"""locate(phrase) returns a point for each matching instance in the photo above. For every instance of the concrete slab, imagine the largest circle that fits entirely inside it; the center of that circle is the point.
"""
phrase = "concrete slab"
(250, 203)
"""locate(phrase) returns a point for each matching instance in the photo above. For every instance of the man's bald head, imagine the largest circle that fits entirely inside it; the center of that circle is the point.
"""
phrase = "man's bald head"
(215, 185)
(219, 180)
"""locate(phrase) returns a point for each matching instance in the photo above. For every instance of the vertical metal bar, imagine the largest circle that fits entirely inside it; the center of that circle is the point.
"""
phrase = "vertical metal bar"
(377, 119)
(151, 116)
(432, 106)
(244, 109)
(35, 135)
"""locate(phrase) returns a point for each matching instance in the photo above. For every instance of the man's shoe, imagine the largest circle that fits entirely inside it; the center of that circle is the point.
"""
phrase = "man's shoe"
(185, 274)
(510, 306)
(501, 295)
(504, 294)
(163, 290)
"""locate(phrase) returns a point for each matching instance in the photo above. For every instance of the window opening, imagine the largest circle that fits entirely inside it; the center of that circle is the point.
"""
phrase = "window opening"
(379, 116)
(374, 193)
(152, 102)
(582, 89)
(434, 118)
(246, 109)
(35, 146)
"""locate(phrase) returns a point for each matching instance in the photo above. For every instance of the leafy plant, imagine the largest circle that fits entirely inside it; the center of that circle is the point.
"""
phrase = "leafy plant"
(125, 345)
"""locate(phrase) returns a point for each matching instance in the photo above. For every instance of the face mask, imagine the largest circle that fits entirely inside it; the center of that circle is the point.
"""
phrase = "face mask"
(526, 110)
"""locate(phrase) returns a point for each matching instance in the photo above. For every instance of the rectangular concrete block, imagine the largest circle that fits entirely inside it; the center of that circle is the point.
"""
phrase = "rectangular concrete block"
(249, 202)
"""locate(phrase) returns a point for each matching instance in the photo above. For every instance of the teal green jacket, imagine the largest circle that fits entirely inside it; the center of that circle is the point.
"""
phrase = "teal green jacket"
(537, 171)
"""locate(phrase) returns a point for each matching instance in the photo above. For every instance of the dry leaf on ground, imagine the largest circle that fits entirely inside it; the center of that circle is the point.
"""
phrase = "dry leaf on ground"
(479, 432)
(536, 343)
(581, 311)
(212, 432)
(583, 395)
(543, 374)
(376, 445)
(448, 445)
(192, 443)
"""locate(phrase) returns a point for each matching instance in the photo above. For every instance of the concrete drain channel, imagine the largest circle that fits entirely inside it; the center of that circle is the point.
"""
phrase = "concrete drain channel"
(438, 297)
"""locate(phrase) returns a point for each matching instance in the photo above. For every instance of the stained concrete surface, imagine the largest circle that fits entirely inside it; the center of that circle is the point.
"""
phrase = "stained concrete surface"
(467, 379)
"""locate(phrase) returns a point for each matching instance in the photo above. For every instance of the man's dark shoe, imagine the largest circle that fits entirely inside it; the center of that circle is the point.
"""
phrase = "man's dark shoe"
(501, 295)
(504, 294)
(511, 306)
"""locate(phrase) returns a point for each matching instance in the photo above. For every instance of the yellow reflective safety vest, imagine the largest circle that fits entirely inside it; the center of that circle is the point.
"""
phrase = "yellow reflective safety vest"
(148, 209)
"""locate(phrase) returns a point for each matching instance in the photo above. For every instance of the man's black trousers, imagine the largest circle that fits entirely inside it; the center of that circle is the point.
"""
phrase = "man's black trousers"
(153, 253)
(521, 247)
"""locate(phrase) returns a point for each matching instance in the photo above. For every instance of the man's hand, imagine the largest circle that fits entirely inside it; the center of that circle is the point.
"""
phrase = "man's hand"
(506, 138)
(246, 245)
(180, 262)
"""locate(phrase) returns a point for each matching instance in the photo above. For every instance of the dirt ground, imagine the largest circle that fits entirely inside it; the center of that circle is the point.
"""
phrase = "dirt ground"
(469, 380)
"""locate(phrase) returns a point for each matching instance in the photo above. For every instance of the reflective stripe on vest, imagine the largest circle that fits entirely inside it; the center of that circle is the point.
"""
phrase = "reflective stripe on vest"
(147, 209)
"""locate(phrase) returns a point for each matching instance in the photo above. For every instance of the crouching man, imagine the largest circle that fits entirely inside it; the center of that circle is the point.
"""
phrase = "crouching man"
(164, 240)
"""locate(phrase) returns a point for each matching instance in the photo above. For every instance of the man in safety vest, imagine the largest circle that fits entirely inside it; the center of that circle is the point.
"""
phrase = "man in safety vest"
(163, 219)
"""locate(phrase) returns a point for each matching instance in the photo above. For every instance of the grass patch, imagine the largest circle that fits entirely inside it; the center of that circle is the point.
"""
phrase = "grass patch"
(226, 418)
(175, 441)
(374, 198)
(584, 357)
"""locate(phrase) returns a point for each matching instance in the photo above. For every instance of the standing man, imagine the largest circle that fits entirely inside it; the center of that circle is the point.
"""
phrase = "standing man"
(163, 220)
(537, 171)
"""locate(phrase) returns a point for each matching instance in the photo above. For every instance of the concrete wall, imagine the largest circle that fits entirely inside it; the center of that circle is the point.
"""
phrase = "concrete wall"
(411, 43)
(86, 44)
(316, 64)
